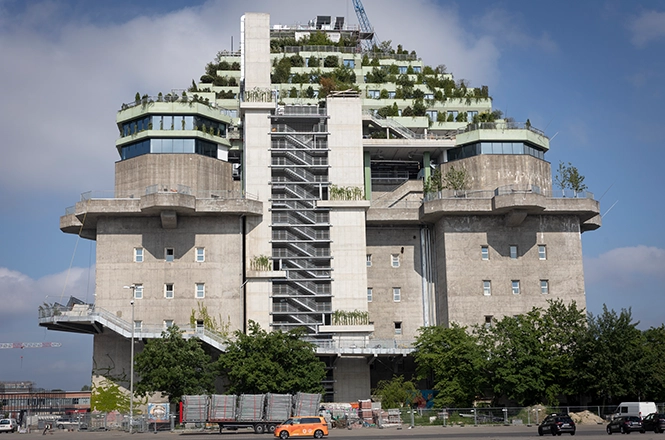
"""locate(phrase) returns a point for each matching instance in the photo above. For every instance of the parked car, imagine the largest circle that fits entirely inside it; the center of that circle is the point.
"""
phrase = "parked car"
(315, 427)
(8, 425)
(556, 424)
(625, 425)
(63, 423)
(654, 422)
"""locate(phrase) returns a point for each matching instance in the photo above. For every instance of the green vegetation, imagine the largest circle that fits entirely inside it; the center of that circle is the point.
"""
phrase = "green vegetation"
(568, 177)
(271, 362)
(174, 366)
(396, 393)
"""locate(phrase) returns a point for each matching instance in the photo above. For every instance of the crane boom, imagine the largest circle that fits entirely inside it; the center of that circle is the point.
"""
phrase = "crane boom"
(29, 344)
(365, 26)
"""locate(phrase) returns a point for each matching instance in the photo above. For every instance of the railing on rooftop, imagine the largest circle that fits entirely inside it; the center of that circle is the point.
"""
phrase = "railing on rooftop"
(500, 125)
(353, 342)
(189, 99)
(505, 190)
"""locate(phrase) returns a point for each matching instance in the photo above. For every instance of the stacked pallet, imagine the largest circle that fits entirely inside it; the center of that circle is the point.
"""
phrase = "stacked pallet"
(306, 404)
(250, 407)
(195, 408)
(365, 411)
(278, 407)
(222, 408)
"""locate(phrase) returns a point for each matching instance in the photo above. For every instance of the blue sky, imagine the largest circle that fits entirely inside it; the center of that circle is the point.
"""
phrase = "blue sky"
(588, 73)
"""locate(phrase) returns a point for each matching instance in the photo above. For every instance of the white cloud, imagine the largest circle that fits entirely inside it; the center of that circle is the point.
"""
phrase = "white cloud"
(70, 365)
(647, 27)
(65, 77)
(627, 278)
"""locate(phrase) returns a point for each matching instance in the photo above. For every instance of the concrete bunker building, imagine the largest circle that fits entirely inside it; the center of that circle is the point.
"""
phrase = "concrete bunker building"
(258, 198)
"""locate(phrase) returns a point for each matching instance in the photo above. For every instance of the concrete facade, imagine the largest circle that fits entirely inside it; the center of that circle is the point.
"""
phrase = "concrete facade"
(331, 196)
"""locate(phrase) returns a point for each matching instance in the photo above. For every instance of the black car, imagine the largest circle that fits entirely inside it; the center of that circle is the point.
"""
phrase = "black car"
(654, 422)
(556, 424)
(625, 425)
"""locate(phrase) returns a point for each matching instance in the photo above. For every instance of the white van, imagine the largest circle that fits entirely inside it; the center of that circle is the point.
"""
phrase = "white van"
(639, 409)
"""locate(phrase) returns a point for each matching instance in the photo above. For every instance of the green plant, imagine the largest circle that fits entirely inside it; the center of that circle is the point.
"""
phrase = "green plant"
(345, 193)
(568, 177)
(220, 327)
(261, 263)
(455, 178)
(355, 317)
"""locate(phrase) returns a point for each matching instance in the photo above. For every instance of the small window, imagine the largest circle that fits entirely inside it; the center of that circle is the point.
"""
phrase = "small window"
(168, 323)
(398, 327)
(138, 325)
(397, 294)
(394, 260)
(138, 291)
(369, 294)
(488, 320)
(199, 326)
(487, 287)
(200, 255)
(544, 287)
(200, 290)
(169, 254)
(516, 287)
(485, 252)
(542, 252)
(168, 291)
(513, 252)
(350, 63)
(138, 255)
(369, 260)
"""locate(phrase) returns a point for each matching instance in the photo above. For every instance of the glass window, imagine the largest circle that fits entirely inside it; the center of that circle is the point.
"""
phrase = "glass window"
(168, 291)
(391, 95)
(394, 260)
(189, 122)
(369, 260)
(349, 63)
(138, 325)
(516, 287)
(169, 254)
(138, 291)
(168, 323)
(542, 252)
(544, 287)
(485, 252)
(488, 320)
(138, 255)
(200, 254)
(200, 290)
(487, 287)
(416, 69)
(513, 252)
(403, 69)
(167, 124)
(398, 328)
(199, 326)
(397, 294)
(369, 294)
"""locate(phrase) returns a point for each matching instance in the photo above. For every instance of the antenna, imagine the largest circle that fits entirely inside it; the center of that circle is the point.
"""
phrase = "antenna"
(603, 215)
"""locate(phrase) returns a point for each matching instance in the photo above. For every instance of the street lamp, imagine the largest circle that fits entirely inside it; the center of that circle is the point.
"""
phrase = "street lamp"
(131, 365)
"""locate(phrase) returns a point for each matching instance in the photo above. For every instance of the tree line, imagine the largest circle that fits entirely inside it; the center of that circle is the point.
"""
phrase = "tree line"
(557, 355)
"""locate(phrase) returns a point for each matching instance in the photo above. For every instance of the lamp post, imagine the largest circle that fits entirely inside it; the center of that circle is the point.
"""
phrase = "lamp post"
(131, 365)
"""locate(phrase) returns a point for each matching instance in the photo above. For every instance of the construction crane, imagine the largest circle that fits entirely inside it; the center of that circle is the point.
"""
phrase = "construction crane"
(29, 344)
(365, 27)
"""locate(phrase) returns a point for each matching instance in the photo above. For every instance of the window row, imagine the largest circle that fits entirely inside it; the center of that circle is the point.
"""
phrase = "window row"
(169, 255)
(515, 287)
(174, 122)
(519, 148)
(169, 290)
(394, 260)
(513, 252)
(169, 146)
(397, 294)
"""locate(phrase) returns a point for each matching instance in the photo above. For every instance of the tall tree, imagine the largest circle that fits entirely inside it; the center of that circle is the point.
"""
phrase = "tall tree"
(569, 177)
(396, 393)
(453, 361)
(652, 365)
(271, 362)
(174, 366)
(607, 363)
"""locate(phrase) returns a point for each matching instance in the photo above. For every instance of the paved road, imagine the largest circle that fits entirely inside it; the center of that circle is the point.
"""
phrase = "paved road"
(589, 432)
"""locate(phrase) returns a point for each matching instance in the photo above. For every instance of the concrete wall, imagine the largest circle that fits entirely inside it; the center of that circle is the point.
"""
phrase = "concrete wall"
(352, 382)
(221, 238)
(132, 176)
(465, 270)
(490, 171)
(382, 242)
